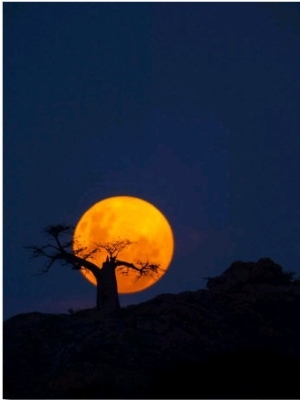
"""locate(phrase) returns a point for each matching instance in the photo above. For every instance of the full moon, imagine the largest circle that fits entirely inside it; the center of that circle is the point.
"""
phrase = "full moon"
(126, 218)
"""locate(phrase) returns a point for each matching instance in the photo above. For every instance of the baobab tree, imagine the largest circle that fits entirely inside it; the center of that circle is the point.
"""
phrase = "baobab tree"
(59, 249)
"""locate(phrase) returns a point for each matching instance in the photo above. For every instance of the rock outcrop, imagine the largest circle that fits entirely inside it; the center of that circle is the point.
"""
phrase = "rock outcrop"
(242, 273)
(237, 339)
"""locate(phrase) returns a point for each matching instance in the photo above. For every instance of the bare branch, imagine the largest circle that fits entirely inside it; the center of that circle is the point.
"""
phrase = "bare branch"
(147, 268)
(44, 271)
(62, 251)
(142, 268)
(113, 248)
(56, 230)
(85, 252)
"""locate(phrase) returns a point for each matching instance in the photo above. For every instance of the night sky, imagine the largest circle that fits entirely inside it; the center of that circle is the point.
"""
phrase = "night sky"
(193, 107)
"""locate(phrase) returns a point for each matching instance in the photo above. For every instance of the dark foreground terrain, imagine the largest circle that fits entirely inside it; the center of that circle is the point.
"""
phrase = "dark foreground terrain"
(239, 338)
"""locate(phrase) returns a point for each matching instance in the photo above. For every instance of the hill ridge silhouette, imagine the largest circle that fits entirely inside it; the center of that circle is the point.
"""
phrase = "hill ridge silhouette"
(241, 332)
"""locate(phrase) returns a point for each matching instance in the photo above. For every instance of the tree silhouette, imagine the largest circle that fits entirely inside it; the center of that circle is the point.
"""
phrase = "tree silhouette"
(59, 248)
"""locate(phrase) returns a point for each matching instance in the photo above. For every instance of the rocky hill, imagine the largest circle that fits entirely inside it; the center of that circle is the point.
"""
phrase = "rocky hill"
(239, 338)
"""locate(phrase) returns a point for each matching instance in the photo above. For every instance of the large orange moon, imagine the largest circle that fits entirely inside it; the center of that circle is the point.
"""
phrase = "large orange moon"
(126, 217)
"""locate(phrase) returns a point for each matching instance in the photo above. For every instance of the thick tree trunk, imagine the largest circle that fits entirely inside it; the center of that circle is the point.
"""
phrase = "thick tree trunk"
(107, 289)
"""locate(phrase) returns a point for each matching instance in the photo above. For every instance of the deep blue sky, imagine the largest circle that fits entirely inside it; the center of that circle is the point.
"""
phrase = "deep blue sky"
(191, 106)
